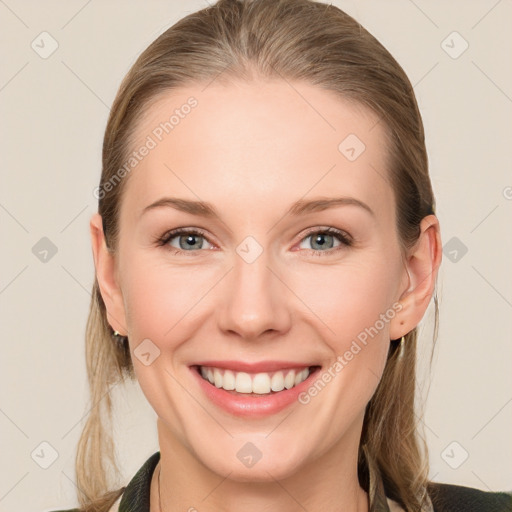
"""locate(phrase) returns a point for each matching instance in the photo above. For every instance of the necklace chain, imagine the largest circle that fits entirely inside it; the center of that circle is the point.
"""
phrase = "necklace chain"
(159, 499)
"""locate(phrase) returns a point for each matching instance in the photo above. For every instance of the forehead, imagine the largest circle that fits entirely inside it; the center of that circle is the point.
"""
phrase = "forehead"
(261, 143)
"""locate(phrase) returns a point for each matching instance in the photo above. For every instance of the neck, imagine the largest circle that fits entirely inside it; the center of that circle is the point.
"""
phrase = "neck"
(327, 483)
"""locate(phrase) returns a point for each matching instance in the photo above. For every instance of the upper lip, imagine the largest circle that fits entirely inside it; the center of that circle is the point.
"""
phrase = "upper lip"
(256, 367)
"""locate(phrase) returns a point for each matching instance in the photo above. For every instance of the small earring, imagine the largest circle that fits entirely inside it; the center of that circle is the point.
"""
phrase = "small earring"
(398, 346)
(119, 338)
(401, 346)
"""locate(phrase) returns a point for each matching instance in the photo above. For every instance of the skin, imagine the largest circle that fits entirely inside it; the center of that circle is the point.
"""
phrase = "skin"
(251, 150)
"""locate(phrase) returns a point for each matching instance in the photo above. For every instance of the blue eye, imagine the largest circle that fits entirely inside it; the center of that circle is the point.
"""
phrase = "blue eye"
(324, 239)
(187, 239)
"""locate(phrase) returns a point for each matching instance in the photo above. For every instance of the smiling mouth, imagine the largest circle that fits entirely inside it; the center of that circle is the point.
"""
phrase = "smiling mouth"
(255, 384)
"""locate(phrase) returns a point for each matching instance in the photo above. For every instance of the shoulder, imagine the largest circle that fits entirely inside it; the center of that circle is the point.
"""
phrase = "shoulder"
(455, 498)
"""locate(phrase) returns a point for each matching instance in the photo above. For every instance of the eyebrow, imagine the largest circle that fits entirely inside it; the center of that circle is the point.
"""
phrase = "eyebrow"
(300, 207)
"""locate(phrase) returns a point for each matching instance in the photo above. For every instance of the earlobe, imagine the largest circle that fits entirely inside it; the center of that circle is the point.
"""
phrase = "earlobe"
(421, 266)
(105, 266)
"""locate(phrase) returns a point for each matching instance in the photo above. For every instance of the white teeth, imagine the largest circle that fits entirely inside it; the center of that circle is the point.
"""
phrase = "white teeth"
(243, 383)
(217, 378)
(301, 376)
(277, 383)
(228, 380)
(260, 383)
(289, 380)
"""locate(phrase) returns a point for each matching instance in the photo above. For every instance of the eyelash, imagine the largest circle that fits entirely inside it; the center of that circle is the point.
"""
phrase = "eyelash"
(344, 238)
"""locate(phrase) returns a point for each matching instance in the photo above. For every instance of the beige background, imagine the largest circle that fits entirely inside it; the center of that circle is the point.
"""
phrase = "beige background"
(53, 114)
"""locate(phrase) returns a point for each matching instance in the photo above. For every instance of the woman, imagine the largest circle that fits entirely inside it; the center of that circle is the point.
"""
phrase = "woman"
(265, 247)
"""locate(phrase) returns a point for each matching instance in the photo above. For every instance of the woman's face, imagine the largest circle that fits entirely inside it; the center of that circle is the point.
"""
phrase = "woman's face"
(262, 283)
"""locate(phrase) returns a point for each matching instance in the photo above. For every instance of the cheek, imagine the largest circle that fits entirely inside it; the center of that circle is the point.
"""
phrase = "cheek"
(348, 298)
(161, 298)
(353, 306)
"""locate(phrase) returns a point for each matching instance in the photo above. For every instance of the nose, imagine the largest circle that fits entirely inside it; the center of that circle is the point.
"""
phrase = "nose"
(256, 301)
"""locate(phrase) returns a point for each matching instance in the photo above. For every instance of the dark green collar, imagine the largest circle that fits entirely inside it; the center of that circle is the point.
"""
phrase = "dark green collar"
(136, 495)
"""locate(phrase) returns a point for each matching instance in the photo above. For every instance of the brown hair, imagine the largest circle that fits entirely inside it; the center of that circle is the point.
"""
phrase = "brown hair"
(300, 40)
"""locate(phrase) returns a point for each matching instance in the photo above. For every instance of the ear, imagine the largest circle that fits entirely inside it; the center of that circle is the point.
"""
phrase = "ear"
(105, 265)
(421, 267)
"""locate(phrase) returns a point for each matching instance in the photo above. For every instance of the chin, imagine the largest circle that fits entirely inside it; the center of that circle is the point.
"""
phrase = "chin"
(260, 473)
(268, 468)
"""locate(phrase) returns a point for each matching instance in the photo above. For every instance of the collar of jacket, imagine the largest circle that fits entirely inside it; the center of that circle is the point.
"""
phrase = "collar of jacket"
(135, 497)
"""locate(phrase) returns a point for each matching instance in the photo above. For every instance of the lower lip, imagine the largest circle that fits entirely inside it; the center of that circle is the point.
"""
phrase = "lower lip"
(252, 405)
